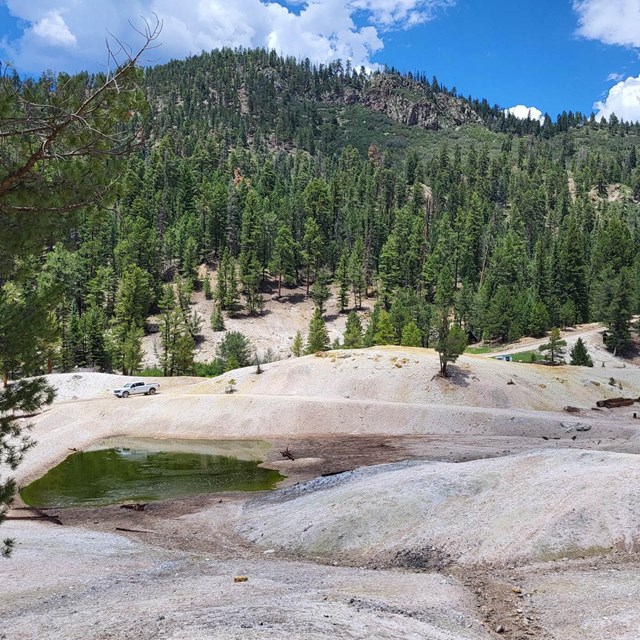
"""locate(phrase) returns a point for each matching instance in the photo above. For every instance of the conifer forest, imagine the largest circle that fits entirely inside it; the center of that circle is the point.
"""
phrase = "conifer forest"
(386, 189)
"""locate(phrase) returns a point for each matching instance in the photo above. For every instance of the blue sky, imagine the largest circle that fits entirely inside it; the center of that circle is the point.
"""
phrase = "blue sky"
(513, 53)
(553, 55)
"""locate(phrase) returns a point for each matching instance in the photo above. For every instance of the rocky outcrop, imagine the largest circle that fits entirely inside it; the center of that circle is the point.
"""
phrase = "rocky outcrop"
(407, 102)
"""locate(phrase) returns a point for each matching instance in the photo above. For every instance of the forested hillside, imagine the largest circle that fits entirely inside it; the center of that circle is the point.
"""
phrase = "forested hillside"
(391, 187)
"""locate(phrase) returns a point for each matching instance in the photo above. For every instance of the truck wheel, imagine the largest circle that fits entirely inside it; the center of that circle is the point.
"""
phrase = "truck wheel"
(152, 391)
(125, 394)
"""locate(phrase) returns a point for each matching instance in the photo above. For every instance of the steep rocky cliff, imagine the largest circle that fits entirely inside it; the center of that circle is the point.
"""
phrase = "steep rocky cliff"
(408, 102)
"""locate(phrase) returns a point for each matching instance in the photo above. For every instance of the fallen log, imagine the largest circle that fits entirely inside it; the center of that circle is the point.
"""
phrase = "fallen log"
(40, 515)
(133, 530)
(53, 519)
(612, 403)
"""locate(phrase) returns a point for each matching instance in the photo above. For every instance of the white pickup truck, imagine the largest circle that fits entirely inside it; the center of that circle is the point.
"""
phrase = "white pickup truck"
(136, 388)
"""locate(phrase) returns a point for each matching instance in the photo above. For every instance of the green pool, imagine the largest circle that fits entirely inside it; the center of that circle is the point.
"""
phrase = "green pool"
(143, 470)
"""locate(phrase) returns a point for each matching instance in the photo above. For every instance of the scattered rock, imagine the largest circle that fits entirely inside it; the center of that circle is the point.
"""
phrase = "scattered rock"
(136, 506)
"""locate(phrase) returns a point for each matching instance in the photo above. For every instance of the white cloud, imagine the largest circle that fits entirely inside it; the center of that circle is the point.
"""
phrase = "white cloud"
(614, 22)
(321, 30)
(524, 113)
(54, 30)
(623, 100)
(610, 21)
(403, 13)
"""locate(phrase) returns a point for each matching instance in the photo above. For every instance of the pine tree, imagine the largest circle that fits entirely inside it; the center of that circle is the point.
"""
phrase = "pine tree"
(208, 292)
(372, 326)
(311, 249)
(385, 331)
(538, 319)
(127, 354)
(217, 319)
(231, 302)
(96, 326)
(353, 332)
(320, 292)
(580, 356)
(234, 350)
(554, 347)
(189, 259)
(221, 283)
(169, 322)
(635, 183)
(400, 315)
(133, 298)
(250, 277)
(191, 320)
(500, 315)
(356, 273)
(571, 270)
(23, 398)
(284, 258)
(132, 305)
(178, 326)
(389, 269)
(568, 314)
(184, 353)
(318, 338)
(450, 341)
(449, 345)
(618, 314)
(343, 281)
(297, 346)
(411, 335)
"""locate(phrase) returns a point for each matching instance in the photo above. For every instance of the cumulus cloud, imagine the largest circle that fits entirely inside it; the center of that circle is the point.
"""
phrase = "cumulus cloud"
(623, 100)
(610, 21)
(322, 30)
(54, 30)
(522, 112)
(614, 22)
